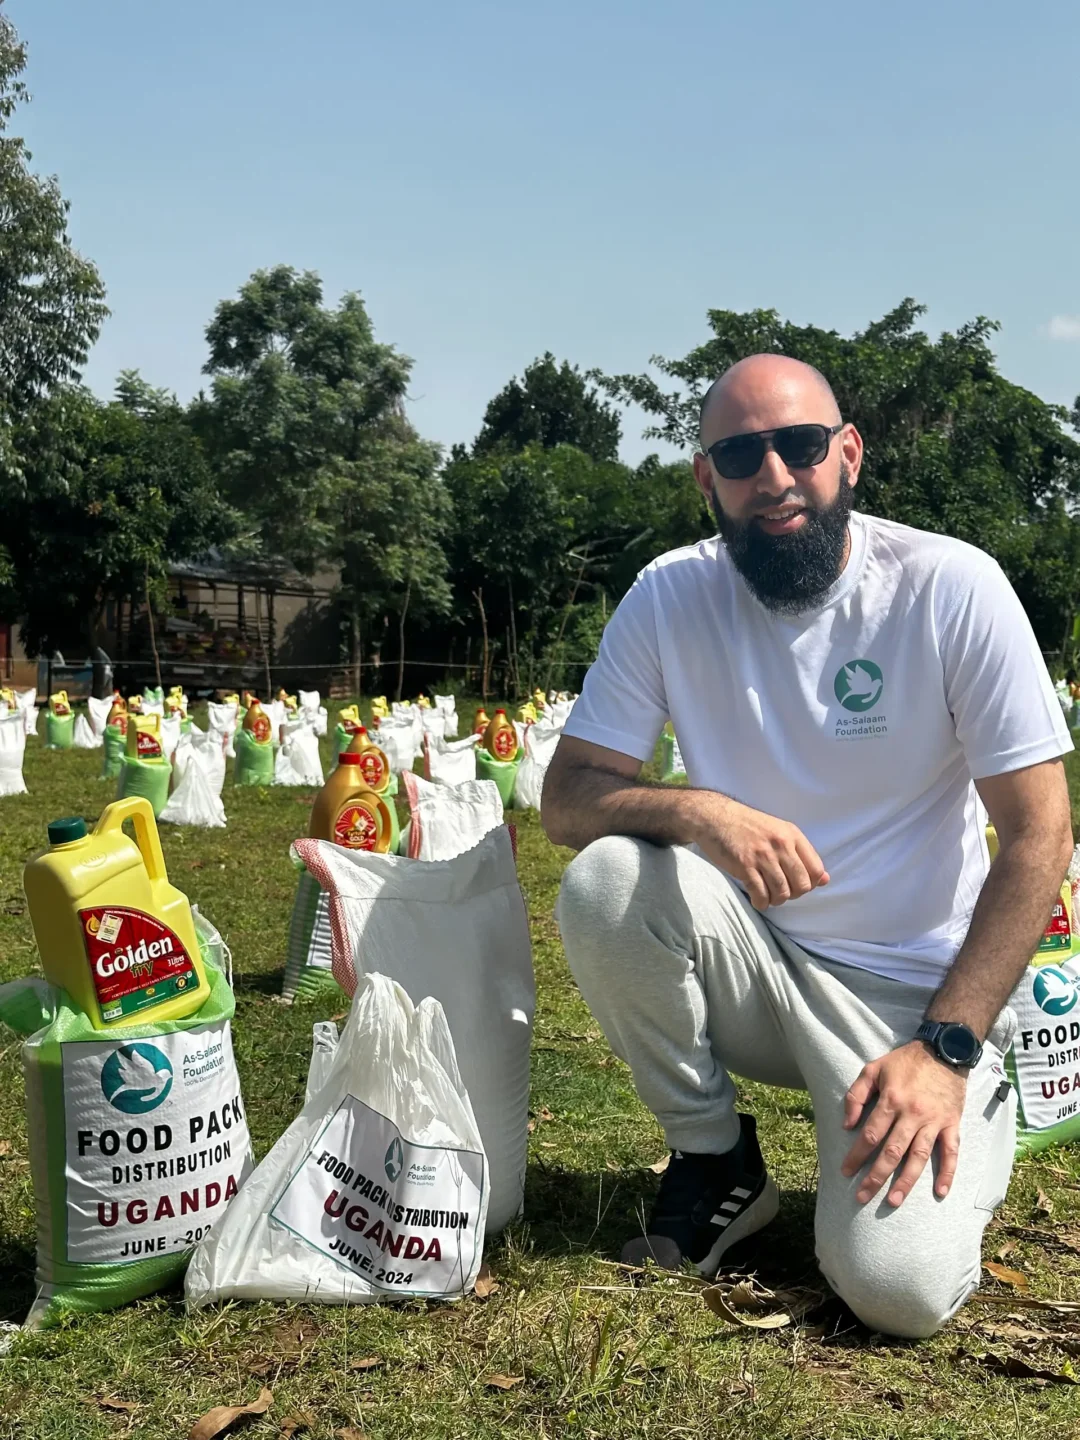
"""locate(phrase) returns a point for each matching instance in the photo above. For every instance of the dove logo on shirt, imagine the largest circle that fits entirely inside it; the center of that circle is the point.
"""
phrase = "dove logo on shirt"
(858, 685)
(1054, 991)
(136, 1078)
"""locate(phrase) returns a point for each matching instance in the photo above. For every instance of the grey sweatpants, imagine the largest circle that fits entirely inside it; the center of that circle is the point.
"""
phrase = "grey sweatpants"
(689, 982)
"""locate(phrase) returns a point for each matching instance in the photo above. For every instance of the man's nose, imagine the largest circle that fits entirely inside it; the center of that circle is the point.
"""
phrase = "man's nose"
(774, 477)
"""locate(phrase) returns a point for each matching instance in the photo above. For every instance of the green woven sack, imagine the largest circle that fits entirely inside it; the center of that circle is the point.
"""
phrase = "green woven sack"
(148, 778)
(115, 750)
(59, 731)
(307, 959)
(503, 772)
(254, 763)
(138, 1141)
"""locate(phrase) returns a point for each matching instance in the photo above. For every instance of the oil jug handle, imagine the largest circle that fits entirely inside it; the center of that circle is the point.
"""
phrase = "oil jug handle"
(141, 813)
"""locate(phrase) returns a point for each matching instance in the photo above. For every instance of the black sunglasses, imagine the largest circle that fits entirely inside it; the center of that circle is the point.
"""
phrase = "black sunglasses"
(741, 456)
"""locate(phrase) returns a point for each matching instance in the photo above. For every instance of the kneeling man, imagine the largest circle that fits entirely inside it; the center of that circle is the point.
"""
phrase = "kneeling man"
(817, 909)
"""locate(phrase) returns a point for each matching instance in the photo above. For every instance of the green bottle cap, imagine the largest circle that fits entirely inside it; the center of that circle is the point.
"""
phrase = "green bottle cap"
(62, 832)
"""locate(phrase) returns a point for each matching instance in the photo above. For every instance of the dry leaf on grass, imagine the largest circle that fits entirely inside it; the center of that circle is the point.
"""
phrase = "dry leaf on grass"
(1043, 1204)
(661, 1165)
(503, 1382)
(5, 1147)
(718, 1303)
(223, 1417)
(367, 1362)
(486, 1284)
(109, 1402)
(1029, 1302)
(350, 1432)
(1015, 1278)
(1018, 1369)
(1006, 1249)
(296, 1425)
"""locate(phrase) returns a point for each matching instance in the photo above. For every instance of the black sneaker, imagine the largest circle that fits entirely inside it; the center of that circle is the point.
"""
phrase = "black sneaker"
(707, 1204)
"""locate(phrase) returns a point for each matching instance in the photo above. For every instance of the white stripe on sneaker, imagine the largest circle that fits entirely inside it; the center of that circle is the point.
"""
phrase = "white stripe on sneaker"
(741, 1194)
(732, 1205)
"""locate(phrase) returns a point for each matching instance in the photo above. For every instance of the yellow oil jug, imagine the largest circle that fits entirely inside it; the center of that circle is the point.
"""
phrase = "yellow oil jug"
(289, 701)
(374, 763)
(109, 927)
(7, 697)
(257, 722)
(526, 714)
(144, 737)
(539, 699)
(59, 703)
(423, 702)
(1059, 940)
(379, 708)
(348, 812)
(500, 738)
(134, 704)
(118, 715)
(350, 719)
(480, 721)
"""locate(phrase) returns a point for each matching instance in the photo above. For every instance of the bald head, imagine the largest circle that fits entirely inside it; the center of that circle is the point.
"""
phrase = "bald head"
(763, 392)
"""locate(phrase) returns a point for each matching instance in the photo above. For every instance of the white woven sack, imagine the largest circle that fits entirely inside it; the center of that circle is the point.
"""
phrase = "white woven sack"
(313, 711)
(26, 700)
(447, 705)
(98, 711)
(378, 1190)
(397, 739)
(12, 748)
(171, 730)
(451, 762)
(83, 737)
(298, 761)
(541, 740)
(224, 719)
(447, 820)
(455, 929)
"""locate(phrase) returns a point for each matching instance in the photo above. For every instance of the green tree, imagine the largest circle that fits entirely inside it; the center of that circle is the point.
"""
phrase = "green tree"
(951, 445)
(112, 493)
(550, 405)
(306, 426)
(52, 301)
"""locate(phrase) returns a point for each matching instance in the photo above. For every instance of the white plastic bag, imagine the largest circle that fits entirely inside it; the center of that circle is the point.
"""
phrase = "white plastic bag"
(397, 740)
(26, 700)
(456, 929)
(84, 737)
(224, 719)
(433, 724)
(98, 711)
(451, 762)
(446, 820)
(298, 761)
(377, 1190)
(12, 748)
(196, 799)
(313, 711)
(447, 706)
(541, 740)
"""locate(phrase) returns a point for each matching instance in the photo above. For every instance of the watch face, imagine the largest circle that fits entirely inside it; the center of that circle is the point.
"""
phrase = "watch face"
(958, 1044)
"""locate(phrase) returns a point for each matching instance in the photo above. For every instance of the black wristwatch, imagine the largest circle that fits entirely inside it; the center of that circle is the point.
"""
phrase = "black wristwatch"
(954, 1044)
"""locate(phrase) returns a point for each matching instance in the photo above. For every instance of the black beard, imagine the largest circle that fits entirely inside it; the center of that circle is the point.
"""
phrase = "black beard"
(790, 573)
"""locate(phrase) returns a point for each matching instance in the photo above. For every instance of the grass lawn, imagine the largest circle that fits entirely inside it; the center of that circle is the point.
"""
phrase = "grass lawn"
(591, 1354)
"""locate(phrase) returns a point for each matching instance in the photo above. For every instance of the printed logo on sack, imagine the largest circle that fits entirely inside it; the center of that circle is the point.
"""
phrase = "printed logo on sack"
(858, 685)
(136, 1078)
(394, 1162)
(1054, 991)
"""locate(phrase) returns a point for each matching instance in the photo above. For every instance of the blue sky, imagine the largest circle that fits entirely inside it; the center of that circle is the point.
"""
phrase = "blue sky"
(499, 178)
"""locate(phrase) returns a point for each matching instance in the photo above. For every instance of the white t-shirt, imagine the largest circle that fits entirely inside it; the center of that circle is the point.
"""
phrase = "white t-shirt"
(863, 721)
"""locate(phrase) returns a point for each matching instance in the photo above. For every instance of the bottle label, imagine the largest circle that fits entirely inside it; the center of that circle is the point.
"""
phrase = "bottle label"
(356, 827)
(148, 746)
(121, 723)
(260, 728)
(504, 744)
(135, 960)
(1057, 936)
(373, 769)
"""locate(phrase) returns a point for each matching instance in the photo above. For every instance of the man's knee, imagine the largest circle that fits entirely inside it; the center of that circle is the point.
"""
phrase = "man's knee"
(895, 1292)
(601, 893)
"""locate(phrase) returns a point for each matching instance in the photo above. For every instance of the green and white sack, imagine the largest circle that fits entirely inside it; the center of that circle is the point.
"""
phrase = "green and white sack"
(115, 750)
(138, 1141)
(254, 763)
(308, 958)
(503, 772)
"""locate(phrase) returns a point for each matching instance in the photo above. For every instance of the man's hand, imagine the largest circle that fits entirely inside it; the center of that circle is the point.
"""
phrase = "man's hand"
(919, 1105)
(772, 858)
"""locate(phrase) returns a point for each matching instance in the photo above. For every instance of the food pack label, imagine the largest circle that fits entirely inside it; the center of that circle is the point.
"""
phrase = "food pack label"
(1046, 1050)
(156, 1143)
(259, 728)
(404, 1217)
(135, 960)
(356, 827)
